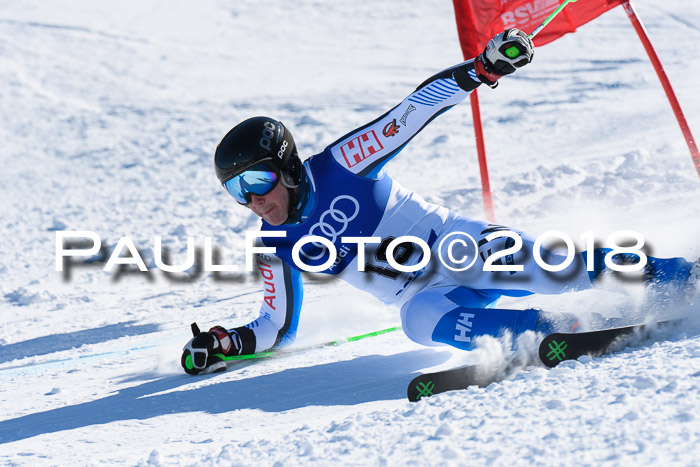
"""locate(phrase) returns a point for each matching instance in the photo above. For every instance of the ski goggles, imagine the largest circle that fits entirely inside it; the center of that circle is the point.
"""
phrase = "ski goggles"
(258, 180)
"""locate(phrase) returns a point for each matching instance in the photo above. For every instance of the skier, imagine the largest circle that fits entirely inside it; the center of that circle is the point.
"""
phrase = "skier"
(343, 192)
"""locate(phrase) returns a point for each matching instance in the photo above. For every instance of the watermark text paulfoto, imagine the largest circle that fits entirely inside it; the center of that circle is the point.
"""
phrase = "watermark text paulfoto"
(457, 251)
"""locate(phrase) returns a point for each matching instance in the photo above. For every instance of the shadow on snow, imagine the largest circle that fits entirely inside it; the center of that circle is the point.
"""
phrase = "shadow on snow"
(59, 342)
(363, 379)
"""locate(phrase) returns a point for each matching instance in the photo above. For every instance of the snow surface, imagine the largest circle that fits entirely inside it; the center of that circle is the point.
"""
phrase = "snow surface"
(110, 115)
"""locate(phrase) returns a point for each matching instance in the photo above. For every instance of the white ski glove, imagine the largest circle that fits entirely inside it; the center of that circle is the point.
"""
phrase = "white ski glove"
(505, 53)
(197, 353)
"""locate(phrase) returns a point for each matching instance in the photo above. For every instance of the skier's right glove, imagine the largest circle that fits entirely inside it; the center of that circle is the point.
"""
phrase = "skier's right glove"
(505, 53)
(200, 352)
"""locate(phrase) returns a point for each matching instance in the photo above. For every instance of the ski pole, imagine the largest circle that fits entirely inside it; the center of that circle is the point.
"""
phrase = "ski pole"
(279, 353)
(513, 51)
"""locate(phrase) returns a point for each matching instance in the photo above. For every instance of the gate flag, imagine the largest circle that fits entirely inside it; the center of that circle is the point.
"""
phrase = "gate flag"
(479, 20)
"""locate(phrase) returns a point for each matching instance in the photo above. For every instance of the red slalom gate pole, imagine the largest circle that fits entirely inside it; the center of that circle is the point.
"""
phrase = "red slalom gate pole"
(641, 32)
(479, 132)
(481, 151)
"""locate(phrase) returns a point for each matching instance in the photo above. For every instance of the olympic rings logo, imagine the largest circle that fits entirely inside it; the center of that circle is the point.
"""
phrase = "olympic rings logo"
(329, 230)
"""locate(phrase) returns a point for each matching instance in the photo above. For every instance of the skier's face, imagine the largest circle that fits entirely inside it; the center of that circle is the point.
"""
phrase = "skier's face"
(273, 207)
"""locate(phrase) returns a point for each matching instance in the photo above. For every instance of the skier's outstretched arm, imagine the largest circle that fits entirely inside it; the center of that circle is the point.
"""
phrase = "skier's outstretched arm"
(365, 150)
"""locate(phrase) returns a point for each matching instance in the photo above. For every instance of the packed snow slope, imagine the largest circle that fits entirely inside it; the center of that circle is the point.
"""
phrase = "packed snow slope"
(110, 116)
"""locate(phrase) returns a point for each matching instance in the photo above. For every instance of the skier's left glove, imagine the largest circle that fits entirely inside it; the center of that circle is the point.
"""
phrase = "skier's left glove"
(505, 53)
(200, 351)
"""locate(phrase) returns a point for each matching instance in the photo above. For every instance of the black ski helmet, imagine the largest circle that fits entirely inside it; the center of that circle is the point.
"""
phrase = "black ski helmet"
(256, 140)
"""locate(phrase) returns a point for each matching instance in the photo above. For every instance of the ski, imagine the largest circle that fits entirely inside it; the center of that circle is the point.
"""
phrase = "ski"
(429, 384)
(553, 349)
(560, 346)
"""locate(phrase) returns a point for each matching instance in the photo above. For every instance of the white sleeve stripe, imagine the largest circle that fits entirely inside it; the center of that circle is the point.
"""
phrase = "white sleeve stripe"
(436, 92)
(449, 84)
(472, 75)
(424, 101)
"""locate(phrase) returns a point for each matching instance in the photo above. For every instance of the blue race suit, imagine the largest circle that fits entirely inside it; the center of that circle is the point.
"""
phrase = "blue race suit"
(347, 194)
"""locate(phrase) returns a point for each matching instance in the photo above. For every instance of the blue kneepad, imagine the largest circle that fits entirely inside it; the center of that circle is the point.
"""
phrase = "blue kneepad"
(460, 326)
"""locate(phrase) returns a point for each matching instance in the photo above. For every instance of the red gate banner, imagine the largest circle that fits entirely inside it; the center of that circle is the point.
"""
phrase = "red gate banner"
(479, 20)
